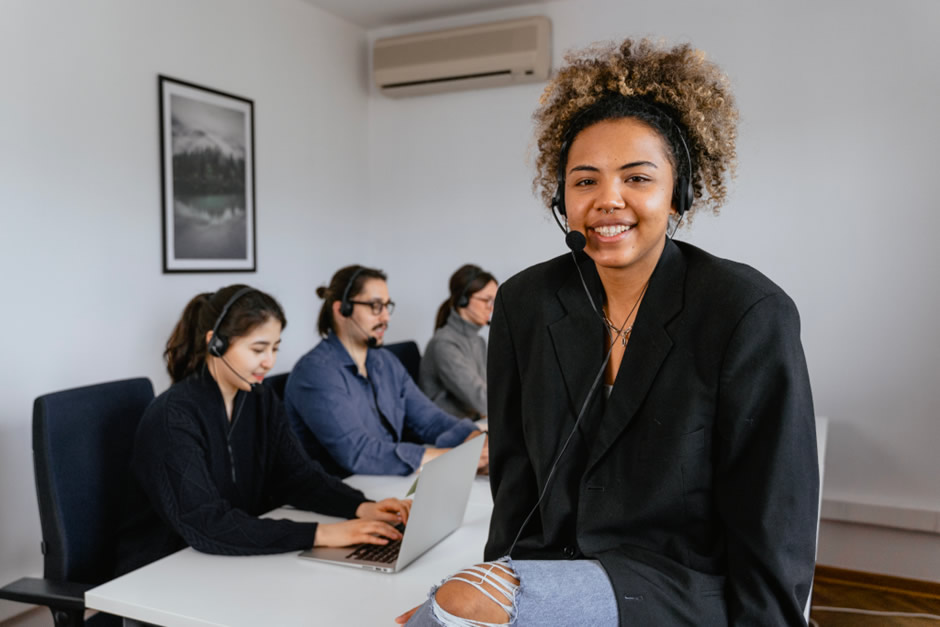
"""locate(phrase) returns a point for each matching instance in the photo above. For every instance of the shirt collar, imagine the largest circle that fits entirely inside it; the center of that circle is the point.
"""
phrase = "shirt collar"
(345, 359)
(464, 327)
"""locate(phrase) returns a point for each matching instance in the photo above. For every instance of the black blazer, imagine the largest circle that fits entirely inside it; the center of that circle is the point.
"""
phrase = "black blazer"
(696, 482)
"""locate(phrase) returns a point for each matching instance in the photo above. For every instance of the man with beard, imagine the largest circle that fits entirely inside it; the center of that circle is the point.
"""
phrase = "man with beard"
(356, 410)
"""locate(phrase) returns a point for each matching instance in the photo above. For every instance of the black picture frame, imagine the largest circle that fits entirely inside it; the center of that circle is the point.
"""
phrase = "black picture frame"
(207, 167)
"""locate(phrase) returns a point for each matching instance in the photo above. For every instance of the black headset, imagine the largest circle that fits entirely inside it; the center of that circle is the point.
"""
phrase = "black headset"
(463, 299)
(219, 343)
(683, 194)
(346, 307)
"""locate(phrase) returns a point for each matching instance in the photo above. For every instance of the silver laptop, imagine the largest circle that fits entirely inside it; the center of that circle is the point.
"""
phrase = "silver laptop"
(440, 501)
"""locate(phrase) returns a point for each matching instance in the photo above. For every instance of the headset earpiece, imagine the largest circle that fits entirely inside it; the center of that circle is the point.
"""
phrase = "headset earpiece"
(463, 299)
(218, 344)
(558, 200)
(346, 307)
(684, 195)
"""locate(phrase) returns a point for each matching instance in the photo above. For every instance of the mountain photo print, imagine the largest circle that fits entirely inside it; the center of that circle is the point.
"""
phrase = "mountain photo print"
(207, 164)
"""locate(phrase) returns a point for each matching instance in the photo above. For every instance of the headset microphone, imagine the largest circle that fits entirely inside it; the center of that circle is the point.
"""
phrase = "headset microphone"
(371, 340)
(575, 241)
(255, 386)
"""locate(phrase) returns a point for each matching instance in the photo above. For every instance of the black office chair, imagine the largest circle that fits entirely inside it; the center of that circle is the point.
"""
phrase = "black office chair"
(277, 383)
(82, 442)
(409, 355)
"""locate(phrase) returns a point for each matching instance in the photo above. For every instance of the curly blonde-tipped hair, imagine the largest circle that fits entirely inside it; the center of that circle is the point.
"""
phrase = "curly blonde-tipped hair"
(678, 82)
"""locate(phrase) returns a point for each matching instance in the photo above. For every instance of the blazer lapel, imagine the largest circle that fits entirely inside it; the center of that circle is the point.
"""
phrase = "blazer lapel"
(649, 345)
(578, 336)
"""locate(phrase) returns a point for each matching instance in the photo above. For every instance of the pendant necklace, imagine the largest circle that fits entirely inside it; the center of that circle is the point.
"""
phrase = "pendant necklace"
(623, 331)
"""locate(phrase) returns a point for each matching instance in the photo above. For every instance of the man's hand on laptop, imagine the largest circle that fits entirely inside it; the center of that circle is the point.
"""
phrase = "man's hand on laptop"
(430, 453)
(483, 468)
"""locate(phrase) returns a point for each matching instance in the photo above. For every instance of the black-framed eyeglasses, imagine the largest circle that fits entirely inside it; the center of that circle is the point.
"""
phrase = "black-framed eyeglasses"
(376, 305)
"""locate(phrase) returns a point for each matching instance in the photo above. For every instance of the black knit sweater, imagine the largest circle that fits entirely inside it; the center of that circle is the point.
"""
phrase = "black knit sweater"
(202, 481)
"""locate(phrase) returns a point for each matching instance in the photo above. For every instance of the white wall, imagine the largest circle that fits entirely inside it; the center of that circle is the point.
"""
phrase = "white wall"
(835, 200)
(84, 299)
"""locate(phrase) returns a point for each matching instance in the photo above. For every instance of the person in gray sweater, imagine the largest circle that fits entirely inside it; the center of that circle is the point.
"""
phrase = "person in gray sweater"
(453, 370)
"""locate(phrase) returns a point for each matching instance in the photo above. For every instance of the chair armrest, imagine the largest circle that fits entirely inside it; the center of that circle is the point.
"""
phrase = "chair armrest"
(63, 595)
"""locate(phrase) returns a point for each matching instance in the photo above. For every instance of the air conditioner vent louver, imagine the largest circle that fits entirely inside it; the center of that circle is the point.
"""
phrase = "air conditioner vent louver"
(485, 55)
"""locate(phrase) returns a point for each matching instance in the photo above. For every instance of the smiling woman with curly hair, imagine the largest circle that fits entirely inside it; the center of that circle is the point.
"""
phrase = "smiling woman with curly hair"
(652, 439)
(686, 89)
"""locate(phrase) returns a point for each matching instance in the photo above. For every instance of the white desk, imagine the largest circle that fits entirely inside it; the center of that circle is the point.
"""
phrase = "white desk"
(190, 588)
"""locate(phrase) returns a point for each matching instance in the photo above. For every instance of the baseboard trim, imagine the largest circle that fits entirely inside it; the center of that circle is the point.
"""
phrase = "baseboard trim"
(907, 518)
(14, 613)
(876, 581)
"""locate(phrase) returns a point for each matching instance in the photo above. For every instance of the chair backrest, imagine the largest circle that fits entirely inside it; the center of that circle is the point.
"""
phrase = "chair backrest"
(277, 382)
(409, 355)
(82, 443)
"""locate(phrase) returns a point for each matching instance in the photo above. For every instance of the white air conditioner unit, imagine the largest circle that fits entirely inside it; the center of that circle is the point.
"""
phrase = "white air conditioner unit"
(485, 55)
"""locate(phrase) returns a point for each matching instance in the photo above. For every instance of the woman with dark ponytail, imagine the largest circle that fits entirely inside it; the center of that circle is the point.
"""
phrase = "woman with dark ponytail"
(453, 371)
(214, 451)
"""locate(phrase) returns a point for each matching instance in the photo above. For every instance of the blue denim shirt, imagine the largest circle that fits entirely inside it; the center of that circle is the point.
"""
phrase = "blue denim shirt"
(329, 403)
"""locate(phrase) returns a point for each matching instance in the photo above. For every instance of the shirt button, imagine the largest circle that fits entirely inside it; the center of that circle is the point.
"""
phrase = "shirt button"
(569, 552)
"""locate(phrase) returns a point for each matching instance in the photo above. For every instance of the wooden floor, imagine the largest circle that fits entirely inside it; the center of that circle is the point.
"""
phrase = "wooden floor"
(833, 587)
(39, 617)
(837, 588)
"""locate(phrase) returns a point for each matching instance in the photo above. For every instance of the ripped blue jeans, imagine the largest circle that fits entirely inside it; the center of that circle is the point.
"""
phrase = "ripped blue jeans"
(550, 592)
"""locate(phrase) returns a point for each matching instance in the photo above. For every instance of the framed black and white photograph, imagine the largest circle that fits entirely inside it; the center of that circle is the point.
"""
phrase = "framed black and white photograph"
(208, 167)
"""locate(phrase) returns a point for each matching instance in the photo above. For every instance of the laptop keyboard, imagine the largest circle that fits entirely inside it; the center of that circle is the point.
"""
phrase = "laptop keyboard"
(383, 553)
